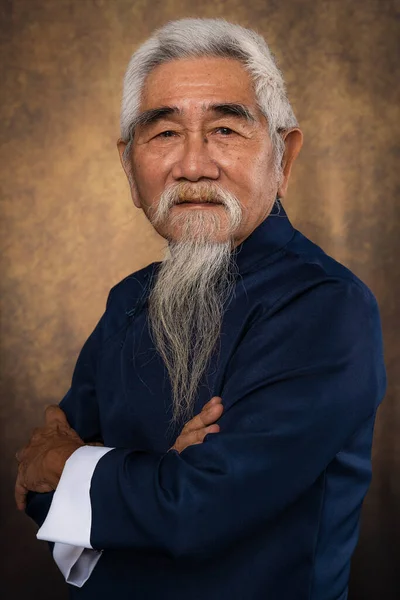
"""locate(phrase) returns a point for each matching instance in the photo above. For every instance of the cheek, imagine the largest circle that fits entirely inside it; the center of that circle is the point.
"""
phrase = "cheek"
(148, 178)
(247, 160)
(256, 181)
(263, 172)
(151, 166)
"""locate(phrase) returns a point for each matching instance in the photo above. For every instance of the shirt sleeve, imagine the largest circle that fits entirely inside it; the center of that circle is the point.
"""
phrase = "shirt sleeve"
(305, 376)
(81, 409)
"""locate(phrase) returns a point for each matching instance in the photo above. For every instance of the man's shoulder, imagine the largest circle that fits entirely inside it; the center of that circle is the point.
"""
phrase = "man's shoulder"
(312, 300)
(305, 270)
(315, 267)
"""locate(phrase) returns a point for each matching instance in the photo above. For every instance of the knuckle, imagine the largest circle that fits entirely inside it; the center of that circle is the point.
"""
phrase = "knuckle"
(188, 430)
(21, 471)
(200, 435)
(19, 454)
(36, 433)
(50, 409)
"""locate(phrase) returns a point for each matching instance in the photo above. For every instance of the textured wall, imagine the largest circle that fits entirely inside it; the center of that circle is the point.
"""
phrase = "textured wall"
(69, 232)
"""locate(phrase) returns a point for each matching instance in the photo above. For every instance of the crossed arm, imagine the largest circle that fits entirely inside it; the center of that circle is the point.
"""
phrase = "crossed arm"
(295, 391)
(43, 459)
(41, 462)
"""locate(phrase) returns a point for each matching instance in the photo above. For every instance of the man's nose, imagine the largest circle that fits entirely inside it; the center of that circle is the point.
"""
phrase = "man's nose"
(195, 161)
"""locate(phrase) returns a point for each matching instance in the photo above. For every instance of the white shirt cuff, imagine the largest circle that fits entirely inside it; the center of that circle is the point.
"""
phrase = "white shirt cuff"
(69, 519)
(76, 564)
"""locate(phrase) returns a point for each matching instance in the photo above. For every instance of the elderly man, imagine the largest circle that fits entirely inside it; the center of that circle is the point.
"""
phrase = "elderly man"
(153, 497)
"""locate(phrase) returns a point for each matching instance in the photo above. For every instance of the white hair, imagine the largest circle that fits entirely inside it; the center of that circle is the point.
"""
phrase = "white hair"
(186, 38)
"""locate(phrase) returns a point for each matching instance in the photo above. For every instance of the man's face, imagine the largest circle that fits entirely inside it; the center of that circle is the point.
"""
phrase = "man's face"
(202, 124)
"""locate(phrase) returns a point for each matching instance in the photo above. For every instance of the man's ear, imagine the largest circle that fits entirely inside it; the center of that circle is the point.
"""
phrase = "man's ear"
(293, 139)
(127, 166)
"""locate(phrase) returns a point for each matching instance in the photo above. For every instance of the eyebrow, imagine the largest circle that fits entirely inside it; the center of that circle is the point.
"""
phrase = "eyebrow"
(233, 109)
(148, 117)
(230, 109)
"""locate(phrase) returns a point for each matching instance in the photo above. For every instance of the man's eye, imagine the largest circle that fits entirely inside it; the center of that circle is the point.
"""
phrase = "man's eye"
(166, 134)
(225, 130)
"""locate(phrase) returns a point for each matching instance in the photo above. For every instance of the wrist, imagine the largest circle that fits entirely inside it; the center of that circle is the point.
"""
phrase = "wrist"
(56, 459)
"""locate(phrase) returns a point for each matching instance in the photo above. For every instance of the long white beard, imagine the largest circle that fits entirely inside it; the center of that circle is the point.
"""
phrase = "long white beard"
(186, 304)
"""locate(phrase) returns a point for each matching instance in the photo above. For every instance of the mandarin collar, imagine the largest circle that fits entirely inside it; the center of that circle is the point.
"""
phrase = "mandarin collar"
(269, 237)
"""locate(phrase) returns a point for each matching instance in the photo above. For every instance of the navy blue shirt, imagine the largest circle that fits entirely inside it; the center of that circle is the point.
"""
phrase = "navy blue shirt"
(269, 507)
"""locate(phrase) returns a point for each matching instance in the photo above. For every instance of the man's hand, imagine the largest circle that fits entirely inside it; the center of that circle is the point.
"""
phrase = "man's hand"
(42, 460)
(195, 430)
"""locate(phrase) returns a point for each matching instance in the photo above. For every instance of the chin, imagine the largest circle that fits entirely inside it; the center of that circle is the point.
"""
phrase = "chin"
(206, 236)
(197, 227)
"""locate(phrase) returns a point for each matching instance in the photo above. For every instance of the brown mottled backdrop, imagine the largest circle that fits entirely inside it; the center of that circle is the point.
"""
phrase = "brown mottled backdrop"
(69, 232)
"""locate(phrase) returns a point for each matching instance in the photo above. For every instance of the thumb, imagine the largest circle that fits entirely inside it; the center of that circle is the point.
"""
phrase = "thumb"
(53, 414)
(215, 400)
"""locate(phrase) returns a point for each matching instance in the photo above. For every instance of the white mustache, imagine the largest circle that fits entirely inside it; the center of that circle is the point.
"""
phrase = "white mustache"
(179, 193)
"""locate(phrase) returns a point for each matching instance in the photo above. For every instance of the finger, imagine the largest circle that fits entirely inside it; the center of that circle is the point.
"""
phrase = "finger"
(20, 494)
(200, 441)
(54, 415)
(212, 429)
(43, 487)
(215, 400)
(20, 454)
(198, 435)
(209, 413)
(194, 437)
(37, 434)
(207, 416)
(201, 433)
